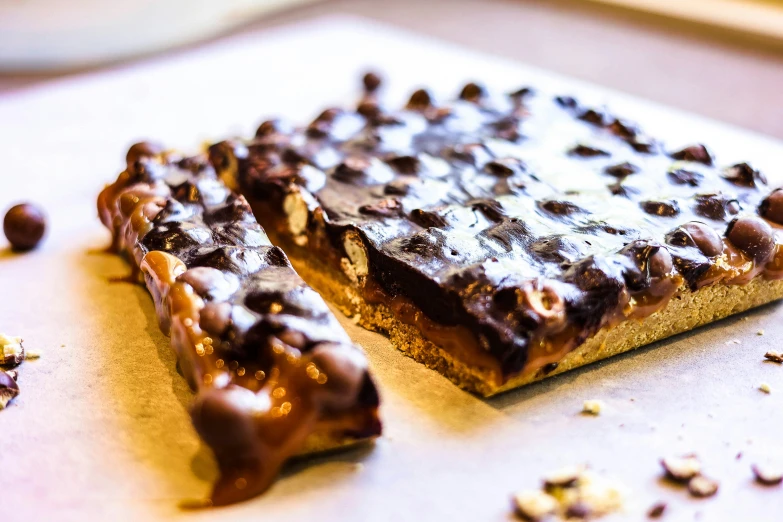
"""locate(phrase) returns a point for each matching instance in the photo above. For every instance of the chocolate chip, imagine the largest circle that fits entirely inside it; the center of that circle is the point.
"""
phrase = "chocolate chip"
(716, 206)
(467, 153)
(428, 219)
(504, 167)
(657, 510)
(472, 92)
(681, 469)
(696, 153)
(744, 175)
(322, 125)
(215, 318)
(24, 226)
(772, 207)
(618, 189)
(519, 94)
(753, 237)
(701, 486)
(420, 100)
(685, 177)
(661, 208)
(351, 168)
(621, 170)
(585, 151)
(8, 389)
(385, 207)
(650, 261)
(767, 475)
(699, 235)
(397, 187)
(561, 208)
(142, 150)
(624, 129)
(643, 144)
(369, 109)
(567, 102)
(404, 164)
(272, 127)
(371, 82)
(596, 117)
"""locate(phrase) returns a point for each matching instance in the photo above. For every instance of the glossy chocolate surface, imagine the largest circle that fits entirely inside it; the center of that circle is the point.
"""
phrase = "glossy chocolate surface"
(524, 217)
(269, 362)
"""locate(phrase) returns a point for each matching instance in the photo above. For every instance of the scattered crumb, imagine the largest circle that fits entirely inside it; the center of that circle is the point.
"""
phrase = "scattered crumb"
(701, 486)
(760, 332)
(765, 387)
(568, 494)
(774, 356)
(767, 475)
(732, 341)
(657, 510)
(62, 346)
(593, 407)
(11, 350)
(681, 469)
(739, 455)
(32, 354)
(534, 504)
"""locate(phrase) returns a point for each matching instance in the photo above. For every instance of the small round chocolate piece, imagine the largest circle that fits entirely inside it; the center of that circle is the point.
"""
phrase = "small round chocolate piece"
(420, 100)
(772, 207)
(371, 82)
(472, 92)
(698, 235)
(24, 226)
(143, 149)
(753, 236)
(660, 262)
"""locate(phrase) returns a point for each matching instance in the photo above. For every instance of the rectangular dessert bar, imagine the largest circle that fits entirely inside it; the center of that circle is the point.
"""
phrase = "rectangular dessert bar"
(274, 373)
(503, 239)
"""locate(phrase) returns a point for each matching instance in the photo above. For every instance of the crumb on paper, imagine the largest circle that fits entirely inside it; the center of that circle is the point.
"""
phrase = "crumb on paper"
(592, 407)
(760, 332)
(766, 474)
(702, 487)
(11, 350)
(681, 469)
(774, 356)
(732, 341)
(32, 354)
(570, 493)
(765, 387)
(657, 510)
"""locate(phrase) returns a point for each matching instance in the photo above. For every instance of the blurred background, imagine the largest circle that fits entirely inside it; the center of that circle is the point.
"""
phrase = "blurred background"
(718, 58)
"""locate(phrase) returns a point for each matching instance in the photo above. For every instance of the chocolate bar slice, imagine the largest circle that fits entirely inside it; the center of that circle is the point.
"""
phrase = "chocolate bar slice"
(274, 373)
(500, 240)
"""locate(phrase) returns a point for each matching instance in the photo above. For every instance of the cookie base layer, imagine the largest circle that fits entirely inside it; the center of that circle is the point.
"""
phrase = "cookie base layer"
(684, 312)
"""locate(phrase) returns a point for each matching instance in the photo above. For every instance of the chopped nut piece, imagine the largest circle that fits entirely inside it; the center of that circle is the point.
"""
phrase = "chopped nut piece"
(656, 511)
(774, 356)
(599, 494)
(593, 407)
(11, 350)
(765, 387)
(8, 389)
(701, 486)
(32, 354)
(534, 505)
(562, 478)
(760, 332)
(681, 469)
(767, 475)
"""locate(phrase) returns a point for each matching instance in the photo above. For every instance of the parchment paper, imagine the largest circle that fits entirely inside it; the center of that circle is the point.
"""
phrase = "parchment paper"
(101, 432)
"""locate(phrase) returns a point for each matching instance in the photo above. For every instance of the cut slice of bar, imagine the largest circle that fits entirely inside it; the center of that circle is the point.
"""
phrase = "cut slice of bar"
(274, 373)
(499, 241)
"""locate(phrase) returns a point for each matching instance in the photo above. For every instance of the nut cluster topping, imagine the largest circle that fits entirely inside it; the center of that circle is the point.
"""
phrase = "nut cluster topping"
(462, 206)
(688, 470)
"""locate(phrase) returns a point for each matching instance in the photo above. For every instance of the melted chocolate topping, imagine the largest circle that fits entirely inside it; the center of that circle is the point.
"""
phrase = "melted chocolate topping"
(568, 204)
(269, 362)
